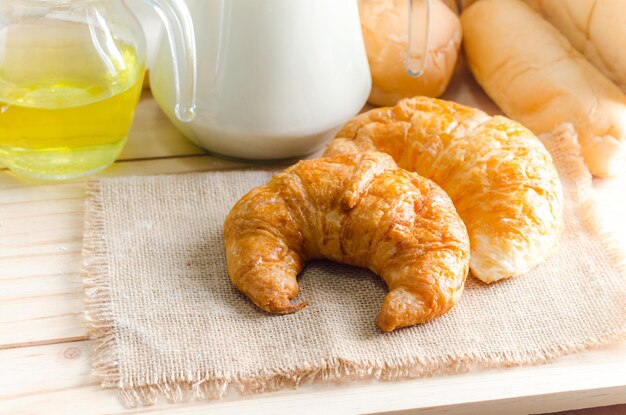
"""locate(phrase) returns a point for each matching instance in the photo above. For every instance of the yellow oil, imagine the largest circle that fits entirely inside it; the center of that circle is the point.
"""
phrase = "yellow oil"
(64, 119)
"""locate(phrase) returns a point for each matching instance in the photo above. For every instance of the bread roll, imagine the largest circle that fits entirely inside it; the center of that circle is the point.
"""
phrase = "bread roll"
(596, 28)
(536, 77)
(385, 32)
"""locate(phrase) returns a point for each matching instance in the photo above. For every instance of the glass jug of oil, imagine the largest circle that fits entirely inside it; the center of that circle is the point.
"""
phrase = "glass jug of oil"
(71, 72)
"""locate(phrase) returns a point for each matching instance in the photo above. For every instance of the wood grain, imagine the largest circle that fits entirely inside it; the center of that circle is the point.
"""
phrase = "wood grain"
(41, 319)
(606, 410)
(65, 379)
(63, 366)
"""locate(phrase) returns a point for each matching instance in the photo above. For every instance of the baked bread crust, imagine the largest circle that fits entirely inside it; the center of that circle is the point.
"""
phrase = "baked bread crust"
(596, 28)
(358, 209)
(537, 78)
(385, 33)
(500, 177)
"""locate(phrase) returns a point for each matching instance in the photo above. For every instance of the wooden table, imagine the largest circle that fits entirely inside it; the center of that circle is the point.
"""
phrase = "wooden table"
(45, 358)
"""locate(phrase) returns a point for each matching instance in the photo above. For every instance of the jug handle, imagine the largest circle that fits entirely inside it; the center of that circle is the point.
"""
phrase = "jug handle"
(179, 28)
(414, 67)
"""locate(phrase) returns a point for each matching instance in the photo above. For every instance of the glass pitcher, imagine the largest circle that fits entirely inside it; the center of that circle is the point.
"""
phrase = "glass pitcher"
(71, 73)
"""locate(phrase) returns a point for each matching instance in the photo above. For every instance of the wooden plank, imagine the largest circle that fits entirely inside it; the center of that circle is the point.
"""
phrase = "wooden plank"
(41, 319)
(61, 263)
(52, 285)
(52, 206)
(604, 410)
(47, 368)
(42, 243)
(48, 376)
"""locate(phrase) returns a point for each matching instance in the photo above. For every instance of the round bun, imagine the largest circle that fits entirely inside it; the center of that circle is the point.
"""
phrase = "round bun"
(385, 32)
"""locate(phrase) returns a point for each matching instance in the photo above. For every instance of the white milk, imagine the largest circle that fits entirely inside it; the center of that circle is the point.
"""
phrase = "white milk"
(276, 78)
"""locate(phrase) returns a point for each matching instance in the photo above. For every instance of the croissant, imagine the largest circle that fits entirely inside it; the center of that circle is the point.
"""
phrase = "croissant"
(358, 209)
(500, 177)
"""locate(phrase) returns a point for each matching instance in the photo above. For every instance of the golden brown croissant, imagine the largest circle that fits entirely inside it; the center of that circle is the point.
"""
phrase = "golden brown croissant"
(498, 174)
(360, 210)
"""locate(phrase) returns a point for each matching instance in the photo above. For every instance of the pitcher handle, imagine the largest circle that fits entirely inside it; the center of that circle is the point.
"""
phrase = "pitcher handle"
(414, 67)
(179, 28)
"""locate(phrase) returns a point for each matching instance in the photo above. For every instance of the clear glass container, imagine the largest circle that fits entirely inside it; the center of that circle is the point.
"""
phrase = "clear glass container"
(71, 73)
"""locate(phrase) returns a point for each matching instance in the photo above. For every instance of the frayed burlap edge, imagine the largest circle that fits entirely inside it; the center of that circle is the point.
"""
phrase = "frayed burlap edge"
(210, 385)
(98, 305)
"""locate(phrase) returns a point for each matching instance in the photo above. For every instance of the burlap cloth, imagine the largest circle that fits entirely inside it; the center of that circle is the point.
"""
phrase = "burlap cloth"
(166, 319)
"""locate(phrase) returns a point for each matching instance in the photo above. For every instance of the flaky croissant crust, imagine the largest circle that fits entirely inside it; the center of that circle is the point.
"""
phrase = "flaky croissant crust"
(360, 210)
(499, 175)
